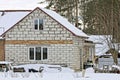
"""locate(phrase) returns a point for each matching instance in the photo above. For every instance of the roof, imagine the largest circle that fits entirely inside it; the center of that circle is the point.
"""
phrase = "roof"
(101, 45)
(65, 23)
(11, 18)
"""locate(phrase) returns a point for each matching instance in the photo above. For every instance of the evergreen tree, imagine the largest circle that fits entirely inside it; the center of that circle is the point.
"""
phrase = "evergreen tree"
(66, 8)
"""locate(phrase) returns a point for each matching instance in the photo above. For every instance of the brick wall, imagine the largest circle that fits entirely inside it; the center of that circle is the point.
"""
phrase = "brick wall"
(2, 53)
(63, 46)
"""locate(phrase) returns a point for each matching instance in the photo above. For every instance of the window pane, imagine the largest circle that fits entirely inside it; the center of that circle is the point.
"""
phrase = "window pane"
(40, 24)
(38, 53)
(31, 53)
(36, 24)
(118, 55)
(44, 53)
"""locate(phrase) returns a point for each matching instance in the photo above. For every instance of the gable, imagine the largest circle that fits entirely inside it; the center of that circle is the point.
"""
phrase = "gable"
(65, 23)
(25, 30)
(60, 20)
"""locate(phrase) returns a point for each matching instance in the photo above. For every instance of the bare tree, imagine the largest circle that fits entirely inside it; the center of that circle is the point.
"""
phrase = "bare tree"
(103, 17)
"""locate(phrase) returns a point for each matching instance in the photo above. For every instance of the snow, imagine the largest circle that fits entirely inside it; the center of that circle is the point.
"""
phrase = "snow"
(47, 74)
(6, 22)
(5, 62)
(90, 75)
(101, 76)
(115, 66)
(65, 23)
(65, 74)
(89, 70)
(101, 45)
(46, 68)
(9, 19)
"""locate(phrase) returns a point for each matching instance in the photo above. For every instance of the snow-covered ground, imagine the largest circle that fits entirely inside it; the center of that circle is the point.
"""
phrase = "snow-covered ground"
(51, 72)
(46, 68)
(90, 75)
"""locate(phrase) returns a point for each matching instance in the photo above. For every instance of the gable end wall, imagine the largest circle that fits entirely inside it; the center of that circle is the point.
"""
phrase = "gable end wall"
(62, 48)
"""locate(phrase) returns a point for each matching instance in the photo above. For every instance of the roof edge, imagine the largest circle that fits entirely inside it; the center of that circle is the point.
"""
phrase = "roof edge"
(3, 35)
(62, 24)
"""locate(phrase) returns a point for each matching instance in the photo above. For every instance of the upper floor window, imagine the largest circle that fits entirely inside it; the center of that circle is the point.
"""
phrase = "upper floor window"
(118, 50)
(38, 53)
(38, 24)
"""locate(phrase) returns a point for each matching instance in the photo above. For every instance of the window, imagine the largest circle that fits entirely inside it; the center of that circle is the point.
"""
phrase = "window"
(38, 53)
(38, 24)
(31, 51)
(44, 53)
(118, 50)
(118, 55)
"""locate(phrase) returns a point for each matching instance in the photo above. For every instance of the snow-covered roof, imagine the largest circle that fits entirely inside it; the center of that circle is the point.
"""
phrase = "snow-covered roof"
(101, 45)
(65, 23)
(11, 18)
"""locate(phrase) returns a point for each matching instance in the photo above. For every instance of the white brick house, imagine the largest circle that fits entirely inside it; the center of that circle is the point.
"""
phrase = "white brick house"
(40, 36)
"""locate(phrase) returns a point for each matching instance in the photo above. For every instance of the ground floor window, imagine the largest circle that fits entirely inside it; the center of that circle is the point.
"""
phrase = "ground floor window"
(38, 53)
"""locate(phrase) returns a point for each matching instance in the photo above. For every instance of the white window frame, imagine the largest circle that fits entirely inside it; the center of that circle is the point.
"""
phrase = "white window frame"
(35, 53)
(38, 23)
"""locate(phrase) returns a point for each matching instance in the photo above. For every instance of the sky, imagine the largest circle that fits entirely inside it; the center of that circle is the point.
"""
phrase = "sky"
(20, 4)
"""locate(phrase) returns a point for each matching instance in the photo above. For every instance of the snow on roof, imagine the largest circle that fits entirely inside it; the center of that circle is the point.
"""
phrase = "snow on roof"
(65, 23)
(9, 19)
(101, 45)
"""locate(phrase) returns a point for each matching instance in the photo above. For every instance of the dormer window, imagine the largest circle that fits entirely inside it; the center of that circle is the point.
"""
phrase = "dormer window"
(38, 24)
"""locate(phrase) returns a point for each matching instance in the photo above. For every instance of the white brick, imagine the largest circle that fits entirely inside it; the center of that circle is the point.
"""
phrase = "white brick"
(58, 53)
